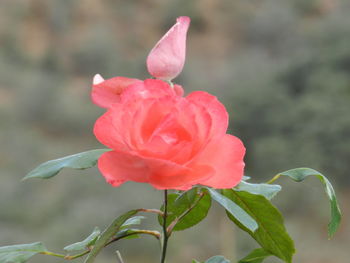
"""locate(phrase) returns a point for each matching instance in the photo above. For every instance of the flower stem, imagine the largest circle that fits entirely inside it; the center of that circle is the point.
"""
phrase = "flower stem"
(165, 232)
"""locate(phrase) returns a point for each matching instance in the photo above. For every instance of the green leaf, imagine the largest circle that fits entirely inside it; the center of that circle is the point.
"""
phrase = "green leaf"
(109, 233)
(299, 174)
(135, 233)
(195, 261)
(136, 220)
(256, 256)
(217, 259)
(267, 190)
(271, 234)
(82, 160)
(235, 210)
(127, 234)
(90, 240)
(20, 253)
(187, 197)
(198, 211)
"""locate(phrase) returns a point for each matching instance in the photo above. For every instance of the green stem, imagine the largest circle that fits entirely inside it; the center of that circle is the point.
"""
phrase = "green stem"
(165, 232)
(67, 257)
(48, 253)
(273, 179)
(155, 211)
(137, 232)
(77, 255)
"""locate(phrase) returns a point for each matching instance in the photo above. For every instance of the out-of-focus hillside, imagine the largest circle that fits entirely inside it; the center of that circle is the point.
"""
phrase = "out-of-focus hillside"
(282, 68)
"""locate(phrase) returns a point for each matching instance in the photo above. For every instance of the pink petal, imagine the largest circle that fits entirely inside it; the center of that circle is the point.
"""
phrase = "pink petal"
(169, 175)
(107, 132)
(225, 156)
(106, 92)
(214, 107)
(149, 89)
(118, 168)
(167, 58)
(178, 90)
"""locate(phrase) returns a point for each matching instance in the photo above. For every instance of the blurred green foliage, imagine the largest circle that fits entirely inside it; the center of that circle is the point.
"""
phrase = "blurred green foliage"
(282, 68)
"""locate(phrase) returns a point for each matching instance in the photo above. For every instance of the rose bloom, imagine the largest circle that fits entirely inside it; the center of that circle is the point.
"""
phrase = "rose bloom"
(168, 141)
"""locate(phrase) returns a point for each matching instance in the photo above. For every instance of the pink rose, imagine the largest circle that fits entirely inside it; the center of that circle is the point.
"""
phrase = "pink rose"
(167, 58)
(106, 92)
(168, 141)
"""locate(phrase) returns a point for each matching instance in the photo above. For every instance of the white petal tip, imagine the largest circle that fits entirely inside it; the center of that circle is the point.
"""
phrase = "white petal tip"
(97, 79)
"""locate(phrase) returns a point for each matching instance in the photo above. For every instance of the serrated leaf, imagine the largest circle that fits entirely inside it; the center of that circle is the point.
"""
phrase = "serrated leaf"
(235, 210)
(217, 259)
(90, 240)
(267, 190)
(20, 253)
(299, 174)
(198, 212)
(271, 234)
(79, 161)
(256, 256)
(106, 236)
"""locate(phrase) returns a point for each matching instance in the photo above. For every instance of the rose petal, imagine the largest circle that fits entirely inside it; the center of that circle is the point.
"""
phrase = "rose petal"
(118, 168)
(179, 90)
(214, 107)
(168, 175)
(225, 156)
(105, 93)
(109, 130)
(148, 89)
(169, 130)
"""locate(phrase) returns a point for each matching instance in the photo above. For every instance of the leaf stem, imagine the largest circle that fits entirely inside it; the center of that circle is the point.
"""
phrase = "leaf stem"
(136, 232)
(67, 257)
(155, 211)
(173, 224)
(48, 253)
(165, 232)
(274, 179)
(77, 255)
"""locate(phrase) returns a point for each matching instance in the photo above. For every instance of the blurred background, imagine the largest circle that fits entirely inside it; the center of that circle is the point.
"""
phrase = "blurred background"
(282, 68)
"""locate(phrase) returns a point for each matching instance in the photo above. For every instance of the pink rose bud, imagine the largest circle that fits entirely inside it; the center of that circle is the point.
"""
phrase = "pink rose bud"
(167, 58)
